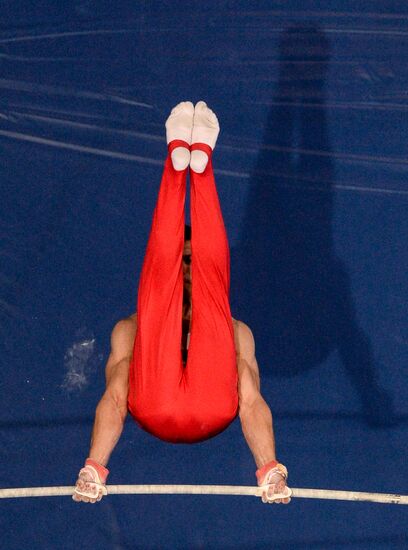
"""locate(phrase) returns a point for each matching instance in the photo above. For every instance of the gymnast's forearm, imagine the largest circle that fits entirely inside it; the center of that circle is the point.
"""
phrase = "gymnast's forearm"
(256, 423)
(107, 429)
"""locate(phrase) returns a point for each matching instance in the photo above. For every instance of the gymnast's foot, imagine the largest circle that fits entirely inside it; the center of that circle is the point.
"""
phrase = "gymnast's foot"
(205, 130)
(179, 125)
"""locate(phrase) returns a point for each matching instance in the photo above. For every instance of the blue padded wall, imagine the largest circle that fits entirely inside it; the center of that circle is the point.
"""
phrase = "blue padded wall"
(311, 167)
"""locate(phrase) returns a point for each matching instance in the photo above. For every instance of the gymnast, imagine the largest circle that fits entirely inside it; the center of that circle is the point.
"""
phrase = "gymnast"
(181, 365)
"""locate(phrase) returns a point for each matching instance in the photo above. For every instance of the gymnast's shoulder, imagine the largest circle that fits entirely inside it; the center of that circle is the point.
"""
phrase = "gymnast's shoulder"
(240, 325)
(125, 325)
(242, 333)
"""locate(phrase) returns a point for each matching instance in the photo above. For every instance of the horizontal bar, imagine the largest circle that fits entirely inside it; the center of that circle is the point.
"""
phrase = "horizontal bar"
(237, 490)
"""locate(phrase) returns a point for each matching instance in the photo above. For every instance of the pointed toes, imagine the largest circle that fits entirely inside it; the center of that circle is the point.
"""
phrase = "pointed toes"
(186, 106)
(202, 110)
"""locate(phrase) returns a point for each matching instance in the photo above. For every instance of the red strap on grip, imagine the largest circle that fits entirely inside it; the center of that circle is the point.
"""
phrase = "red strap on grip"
(102, 471)
(265, 468)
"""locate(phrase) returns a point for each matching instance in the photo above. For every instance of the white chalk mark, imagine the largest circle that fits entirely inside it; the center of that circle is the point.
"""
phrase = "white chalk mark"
(52, 109)
(75, 360)
(320, 13)
(336, 155)
(28, 38)
(243, 175)
(55, 90)
(37, 59)
(79, 148)
(74, 124)
(363, 105)
(79, 362)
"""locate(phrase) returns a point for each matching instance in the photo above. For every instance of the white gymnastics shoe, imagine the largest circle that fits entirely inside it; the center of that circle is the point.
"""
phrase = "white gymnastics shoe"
(179, 127)
(205, 130)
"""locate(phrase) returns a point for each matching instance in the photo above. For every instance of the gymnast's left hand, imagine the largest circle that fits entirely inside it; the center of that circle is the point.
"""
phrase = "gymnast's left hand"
(90, 485)
(273, 480)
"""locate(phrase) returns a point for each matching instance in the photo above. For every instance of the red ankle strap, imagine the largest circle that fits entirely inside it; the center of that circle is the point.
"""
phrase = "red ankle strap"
(202, 147)
(177, 143)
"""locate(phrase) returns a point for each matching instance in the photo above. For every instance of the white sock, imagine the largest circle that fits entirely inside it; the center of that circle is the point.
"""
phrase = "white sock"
(179, 125)
(205, 130)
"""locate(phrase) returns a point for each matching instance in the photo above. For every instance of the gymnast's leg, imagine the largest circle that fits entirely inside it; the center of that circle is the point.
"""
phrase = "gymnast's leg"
(211, 366)
(156, 367)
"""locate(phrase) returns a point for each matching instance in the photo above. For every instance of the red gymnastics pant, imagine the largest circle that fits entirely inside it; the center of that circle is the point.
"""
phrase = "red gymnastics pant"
(196, 402)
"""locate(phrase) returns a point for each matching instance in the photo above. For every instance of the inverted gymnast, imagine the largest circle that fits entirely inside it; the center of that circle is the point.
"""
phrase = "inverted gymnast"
(181, 365)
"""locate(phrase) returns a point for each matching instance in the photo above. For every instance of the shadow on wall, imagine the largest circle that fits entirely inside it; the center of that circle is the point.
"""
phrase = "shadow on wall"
(297, 296)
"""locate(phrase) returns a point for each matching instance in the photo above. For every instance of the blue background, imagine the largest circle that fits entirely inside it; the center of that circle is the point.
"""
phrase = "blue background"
(311, 167)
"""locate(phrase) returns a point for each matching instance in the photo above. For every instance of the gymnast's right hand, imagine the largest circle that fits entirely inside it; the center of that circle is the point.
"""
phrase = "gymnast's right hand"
(272, 477)
(90, 486)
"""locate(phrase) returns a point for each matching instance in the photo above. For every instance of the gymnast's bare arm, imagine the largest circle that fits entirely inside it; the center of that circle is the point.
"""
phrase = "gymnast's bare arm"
(254, 413)
(112, 408)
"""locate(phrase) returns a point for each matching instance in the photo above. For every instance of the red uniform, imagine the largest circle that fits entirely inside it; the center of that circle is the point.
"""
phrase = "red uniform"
(172, 402)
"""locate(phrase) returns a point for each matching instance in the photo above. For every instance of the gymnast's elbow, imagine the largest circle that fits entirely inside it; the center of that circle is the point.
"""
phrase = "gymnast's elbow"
(253, 407)
(250, 400)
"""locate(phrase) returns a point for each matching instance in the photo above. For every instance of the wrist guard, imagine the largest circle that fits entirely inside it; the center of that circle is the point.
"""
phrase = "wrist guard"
(264, 473)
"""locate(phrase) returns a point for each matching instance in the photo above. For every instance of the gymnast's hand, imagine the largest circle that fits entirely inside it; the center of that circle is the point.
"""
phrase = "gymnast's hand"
(90, 485)
(272, 477)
